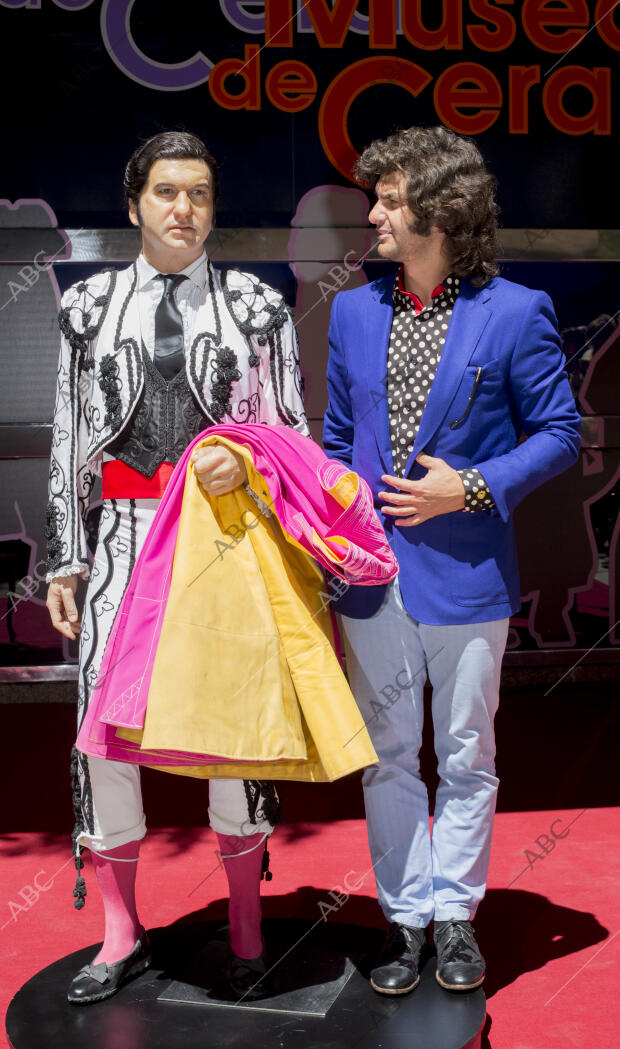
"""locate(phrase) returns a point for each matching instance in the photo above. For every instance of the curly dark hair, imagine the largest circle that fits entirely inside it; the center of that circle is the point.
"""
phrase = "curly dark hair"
(447, 187)
(168, 145)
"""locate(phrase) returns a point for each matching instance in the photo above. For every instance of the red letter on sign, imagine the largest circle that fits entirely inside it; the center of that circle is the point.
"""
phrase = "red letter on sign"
(278, 23)
(449, 35)
(249, 70)
(504, 26)
(597, 82)
(450, 97)
(291, 86)
(382, 24)
(520, 80)
(343, 91)
(604, 22)
(330, 26)
(537, 15)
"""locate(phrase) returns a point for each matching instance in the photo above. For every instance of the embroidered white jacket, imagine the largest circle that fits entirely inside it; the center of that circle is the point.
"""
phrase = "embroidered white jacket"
(242, 367)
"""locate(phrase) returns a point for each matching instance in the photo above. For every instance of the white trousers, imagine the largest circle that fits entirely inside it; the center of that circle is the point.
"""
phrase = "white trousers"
(110, 794)
(420, 875)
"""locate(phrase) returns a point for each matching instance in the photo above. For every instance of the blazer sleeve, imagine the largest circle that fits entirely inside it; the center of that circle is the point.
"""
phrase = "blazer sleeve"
(338, 423)
(545, 409)
(71, 479)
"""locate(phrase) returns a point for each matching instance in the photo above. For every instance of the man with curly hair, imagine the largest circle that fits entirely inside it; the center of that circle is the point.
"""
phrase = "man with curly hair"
(435, 374)
(151, 355)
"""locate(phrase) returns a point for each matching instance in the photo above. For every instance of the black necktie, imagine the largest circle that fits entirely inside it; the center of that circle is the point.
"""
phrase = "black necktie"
(169, 346)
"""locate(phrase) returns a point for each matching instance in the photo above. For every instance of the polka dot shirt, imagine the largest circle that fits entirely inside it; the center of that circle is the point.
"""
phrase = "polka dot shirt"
(417, 338)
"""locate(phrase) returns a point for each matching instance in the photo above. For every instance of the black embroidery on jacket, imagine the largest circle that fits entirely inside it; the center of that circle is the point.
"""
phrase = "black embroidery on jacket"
(226, 373)
(109, 372)
(54, 544)
(74, 385)
(248, 303)
(88, 672)
(210, 339)
(276, 367)
(162, 424)
(81, 341)
(123, 309)
(246, 410)
(82, 799)
(260, 313)
(110, 385)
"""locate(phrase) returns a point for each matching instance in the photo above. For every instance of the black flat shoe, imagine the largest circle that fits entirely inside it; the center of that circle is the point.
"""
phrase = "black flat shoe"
(460, 965)
(93, 983)
(248, 978)
(398, 966)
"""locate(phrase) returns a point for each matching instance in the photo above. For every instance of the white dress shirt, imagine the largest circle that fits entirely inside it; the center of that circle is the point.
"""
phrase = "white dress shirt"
(188, 296)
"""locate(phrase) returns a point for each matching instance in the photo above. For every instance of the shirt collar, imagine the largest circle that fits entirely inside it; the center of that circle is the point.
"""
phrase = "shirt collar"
(448, 290)
(196, 271)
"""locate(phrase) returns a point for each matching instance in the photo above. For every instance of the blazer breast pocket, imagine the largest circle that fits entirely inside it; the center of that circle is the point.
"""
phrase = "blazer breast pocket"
(480, 388)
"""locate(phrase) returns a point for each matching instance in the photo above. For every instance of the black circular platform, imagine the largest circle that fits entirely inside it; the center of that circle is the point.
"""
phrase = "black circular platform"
(322, 999)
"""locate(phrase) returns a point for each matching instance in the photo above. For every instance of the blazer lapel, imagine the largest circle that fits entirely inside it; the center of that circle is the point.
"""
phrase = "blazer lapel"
(469, 319)
(377, 325)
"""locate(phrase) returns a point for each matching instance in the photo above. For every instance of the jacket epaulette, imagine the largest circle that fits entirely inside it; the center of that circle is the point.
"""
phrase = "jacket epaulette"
(255, 307)
(83, 309)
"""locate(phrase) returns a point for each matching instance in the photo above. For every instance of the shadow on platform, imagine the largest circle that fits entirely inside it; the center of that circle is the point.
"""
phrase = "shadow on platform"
(143, 1015)
(518, 931)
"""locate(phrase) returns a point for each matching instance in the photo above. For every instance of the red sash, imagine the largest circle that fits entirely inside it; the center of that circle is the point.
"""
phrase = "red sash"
(120, 481)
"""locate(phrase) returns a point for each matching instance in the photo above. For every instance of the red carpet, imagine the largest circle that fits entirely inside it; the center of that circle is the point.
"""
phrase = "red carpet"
(548, 927)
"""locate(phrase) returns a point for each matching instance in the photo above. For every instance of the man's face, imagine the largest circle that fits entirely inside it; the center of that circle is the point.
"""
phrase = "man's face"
(175, 210)
(394, 219)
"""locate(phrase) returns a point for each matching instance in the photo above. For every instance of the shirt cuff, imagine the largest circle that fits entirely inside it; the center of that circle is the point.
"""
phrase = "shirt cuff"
(477, 494)
(77, 568)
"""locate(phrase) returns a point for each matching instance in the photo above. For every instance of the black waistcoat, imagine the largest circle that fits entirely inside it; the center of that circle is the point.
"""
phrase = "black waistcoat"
(164, 421)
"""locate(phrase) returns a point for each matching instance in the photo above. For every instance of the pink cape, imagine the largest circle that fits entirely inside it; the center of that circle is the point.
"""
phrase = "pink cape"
(298, 476)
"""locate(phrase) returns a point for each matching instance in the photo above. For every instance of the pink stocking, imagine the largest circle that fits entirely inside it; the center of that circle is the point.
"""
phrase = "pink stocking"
(243, 859)
(116, 875)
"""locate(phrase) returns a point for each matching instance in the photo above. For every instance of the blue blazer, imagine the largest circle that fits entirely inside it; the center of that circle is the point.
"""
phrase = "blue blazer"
(458, 567)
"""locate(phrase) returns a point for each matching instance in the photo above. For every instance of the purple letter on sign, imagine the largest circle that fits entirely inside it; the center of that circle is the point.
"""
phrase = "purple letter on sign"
(247, 21)
(119, 43)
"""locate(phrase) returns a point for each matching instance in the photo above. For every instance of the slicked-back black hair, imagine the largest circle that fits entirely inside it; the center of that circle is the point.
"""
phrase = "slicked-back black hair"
(168, 145)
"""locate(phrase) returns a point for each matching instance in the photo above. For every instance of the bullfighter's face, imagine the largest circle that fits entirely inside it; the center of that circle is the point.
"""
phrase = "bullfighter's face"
(174, 213)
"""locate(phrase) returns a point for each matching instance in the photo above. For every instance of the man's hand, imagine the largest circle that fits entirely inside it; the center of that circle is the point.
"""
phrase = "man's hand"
(61, 606)
(218, 469)
(440, 492)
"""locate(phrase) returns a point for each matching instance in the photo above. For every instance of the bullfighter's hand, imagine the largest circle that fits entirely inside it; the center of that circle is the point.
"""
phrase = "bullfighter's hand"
(441, 491)
(62, 607)
(218, 469)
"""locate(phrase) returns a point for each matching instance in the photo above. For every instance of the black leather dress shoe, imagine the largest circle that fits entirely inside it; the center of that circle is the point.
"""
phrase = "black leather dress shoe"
(398, 966)
(248, 978)
(93, 983)
(460, 965)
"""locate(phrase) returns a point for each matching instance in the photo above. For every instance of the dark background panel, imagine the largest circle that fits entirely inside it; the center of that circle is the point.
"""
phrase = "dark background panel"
(74, 116)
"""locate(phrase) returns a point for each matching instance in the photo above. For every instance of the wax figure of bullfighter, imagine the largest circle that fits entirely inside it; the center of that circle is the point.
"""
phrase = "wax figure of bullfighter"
(152, 355)
(435, 374)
